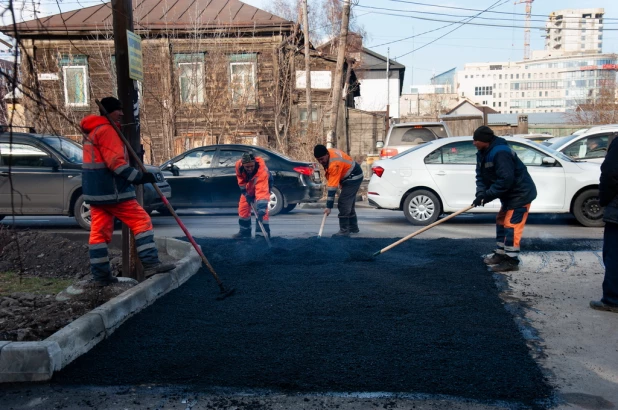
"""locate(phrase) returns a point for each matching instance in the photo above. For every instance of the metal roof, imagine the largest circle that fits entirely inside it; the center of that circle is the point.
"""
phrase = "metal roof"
(533, 118)
(159, 15)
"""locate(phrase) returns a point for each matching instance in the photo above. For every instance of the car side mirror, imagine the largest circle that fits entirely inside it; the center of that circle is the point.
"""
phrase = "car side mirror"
(379, 144)
(549, 161)
(172, 168)
(49, 162)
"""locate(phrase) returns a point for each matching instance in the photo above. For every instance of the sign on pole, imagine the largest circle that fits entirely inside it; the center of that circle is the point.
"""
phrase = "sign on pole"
(136, 69)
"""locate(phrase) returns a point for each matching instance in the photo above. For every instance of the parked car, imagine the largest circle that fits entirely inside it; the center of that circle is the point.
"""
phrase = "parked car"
(46, 173)
(406, 135)
(439, 176)
(540, 138)
(588, 145)
(205, 177)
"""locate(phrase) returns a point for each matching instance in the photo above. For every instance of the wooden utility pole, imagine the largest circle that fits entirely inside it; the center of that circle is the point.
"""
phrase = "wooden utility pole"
(388, 90)
(122, 14)
(337, 88)
(307, 63)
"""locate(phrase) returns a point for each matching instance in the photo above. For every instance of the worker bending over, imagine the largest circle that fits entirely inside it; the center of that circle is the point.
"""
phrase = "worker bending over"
(341, 171)
(255, 183)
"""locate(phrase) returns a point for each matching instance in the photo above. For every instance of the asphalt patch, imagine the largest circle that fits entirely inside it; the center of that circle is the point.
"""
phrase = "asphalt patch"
(424, 318)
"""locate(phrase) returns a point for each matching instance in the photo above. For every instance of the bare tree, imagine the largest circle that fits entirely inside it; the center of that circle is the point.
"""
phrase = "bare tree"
(600, 108)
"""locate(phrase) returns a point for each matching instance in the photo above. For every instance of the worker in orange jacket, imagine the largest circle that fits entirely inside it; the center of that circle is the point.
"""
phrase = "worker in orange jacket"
(107, 184)
(341, 171)
(254, 181)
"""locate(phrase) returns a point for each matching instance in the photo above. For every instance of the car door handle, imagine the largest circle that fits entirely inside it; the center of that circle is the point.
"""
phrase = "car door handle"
(204, 176)
(441, 173)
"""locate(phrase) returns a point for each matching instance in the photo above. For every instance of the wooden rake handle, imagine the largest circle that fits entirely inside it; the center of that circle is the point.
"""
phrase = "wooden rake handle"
(257, 218)
(412, 235)
(322, 226)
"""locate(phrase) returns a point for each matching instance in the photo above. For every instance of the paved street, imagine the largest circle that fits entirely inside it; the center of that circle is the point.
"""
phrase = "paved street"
(303, 223)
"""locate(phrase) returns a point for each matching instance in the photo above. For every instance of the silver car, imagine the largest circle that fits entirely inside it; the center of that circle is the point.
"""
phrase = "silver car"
(46, 177)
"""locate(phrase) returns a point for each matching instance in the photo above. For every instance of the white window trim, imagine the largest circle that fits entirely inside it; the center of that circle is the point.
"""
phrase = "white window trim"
(66, 91)
(199, 98)
(253, 79)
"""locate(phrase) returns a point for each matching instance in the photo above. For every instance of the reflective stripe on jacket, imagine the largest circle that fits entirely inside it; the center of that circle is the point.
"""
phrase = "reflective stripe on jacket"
(258, 184)
(341, 167)
(107, 177)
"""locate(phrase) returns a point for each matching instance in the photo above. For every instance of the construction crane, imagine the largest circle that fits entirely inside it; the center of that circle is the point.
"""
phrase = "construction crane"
(528, 4)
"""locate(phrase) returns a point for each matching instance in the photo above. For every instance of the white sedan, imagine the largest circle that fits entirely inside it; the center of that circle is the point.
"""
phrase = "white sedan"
(439, 177)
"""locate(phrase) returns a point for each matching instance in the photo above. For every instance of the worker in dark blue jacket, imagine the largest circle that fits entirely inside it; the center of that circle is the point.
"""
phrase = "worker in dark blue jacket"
(608, 197)
(500, 174)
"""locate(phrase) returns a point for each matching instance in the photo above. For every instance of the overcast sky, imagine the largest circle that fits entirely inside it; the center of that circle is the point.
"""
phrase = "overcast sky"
(392, 21)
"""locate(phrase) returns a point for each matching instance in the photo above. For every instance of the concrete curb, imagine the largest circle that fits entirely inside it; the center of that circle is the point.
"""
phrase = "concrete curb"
(37, 361)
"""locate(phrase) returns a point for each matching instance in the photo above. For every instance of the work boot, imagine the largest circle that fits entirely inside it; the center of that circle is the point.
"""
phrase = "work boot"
(508, 264)
(494, 259)
(354, 224)
(344, 228)
(158, 268)
(101, 283)
(242, 234)
(600, 305)
(258, 231)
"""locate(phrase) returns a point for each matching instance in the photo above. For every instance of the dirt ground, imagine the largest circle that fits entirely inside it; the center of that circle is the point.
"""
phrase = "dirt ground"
(29, 316)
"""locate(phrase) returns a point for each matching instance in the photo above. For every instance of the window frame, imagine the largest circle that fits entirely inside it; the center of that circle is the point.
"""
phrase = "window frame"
(195, 65)
(251, 101)
(67, 103)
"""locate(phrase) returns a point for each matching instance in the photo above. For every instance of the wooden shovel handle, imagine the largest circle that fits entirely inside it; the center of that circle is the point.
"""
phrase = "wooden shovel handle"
(322, 226)
(412, 235)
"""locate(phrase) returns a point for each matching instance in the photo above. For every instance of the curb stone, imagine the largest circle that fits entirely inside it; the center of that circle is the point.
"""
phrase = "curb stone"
(37, 361)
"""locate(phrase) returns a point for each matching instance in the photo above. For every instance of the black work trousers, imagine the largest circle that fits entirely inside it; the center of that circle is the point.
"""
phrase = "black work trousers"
(610, 260)
(347, 197)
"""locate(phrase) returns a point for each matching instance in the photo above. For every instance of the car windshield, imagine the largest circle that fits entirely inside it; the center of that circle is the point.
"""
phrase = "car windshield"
(406, 152)
(560, 141)
(69, 149)
(552, 151)
(416, 134)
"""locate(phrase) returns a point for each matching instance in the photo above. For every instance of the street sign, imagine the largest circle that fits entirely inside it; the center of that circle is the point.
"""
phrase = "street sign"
(136, 69)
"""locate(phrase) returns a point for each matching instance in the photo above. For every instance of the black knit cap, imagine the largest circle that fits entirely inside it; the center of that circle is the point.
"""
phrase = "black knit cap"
(484, 134)
(319, 151)
(111, 104)
(247, 157)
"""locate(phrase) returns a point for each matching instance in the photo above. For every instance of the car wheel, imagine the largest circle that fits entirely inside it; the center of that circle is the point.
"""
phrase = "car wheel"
(81, 210)
(276, 202)
(421, 208)
(587, 209)
(287, 209)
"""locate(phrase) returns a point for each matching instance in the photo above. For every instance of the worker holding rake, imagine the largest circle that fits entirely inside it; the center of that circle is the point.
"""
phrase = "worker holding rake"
(108, 181)
(254, 181)
(341, 170)
(500, 174)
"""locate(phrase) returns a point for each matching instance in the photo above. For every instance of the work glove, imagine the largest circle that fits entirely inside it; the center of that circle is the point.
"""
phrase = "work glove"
(479, 201)
(250, 199)
(147, 178)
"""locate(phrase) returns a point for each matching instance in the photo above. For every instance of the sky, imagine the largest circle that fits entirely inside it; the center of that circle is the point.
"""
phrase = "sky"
(431, 53)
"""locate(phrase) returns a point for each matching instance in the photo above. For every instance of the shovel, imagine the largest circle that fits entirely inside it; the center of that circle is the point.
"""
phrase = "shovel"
(224, 292)
(260, 224)
(412, 235)
(322, 226)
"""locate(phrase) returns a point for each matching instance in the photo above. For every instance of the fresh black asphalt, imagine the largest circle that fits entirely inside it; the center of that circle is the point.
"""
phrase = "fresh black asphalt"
(423, 318)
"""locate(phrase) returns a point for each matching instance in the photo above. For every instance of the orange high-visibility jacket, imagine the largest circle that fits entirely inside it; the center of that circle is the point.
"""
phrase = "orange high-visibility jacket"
(256, 185)
(107, 177)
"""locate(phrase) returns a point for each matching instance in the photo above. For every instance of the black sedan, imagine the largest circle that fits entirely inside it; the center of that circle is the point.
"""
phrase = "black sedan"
(205, 177)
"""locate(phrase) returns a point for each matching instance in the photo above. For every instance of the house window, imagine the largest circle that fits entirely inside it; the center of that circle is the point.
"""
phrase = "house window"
(243, 79)
(75, 79)
(190, 77)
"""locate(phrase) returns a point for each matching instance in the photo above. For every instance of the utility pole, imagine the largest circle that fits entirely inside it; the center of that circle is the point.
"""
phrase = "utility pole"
(307, 63)
(343, 38)
(388, 91)
(122, 14)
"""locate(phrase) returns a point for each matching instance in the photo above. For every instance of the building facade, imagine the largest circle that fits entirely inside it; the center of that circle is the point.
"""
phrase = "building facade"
(575, 31)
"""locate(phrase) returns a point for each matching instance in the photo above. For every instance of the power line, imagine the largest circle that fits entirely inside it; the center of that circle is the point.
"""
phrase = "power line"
(467, 9)
(446, 14)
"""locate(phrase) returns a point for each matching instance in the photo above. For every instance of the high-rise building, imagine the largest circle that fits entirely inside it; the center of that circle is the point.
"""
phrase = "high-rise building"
(574, 31)
(570, 70)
